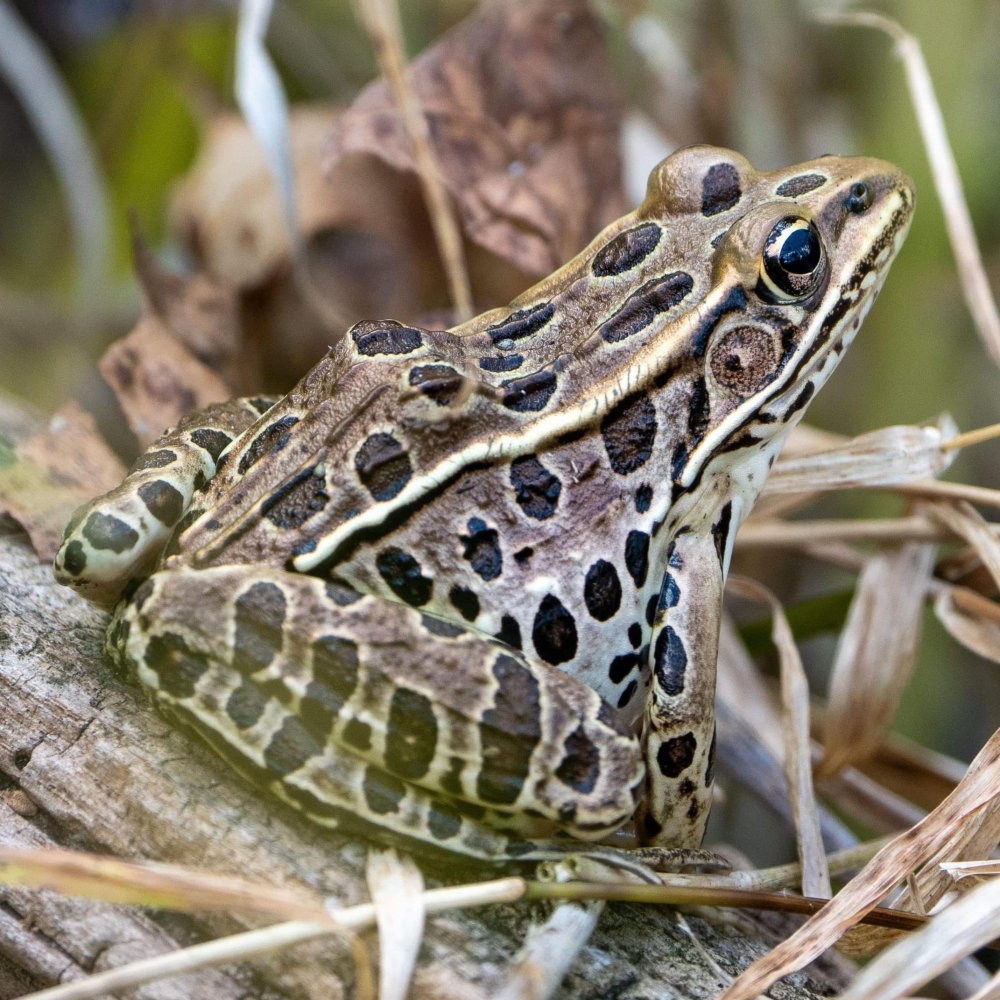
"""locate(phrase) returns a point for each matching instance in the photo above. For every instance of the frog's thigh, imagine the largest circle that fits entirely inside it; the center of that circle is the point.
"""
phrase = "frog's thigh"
(679, 732)
(351, 705)
(120, 535)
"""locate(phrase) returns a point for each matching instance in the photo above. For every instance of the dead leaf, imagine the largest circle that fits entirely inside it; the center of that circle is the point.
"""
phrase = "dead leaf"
(53, 472)
(876, 654)
(396, 888)
(979, 634)
(525, 117)
(157, 380)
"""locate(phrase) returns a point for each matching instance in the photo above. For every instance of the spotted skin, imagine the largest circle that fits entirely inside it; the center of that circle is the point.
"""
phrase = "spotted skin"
(553, 488)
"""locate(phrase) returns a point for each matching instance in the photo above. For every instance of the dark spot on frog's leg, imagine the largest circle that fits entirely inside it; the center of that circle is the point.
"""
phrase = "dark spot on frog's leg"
(465, 601)
(334, 671)
(802, 184)
(301, 498)
(694, 810)
(635, 635)
(670, 661)
(651, 609)
(720, 189)
(438, 382)
(643, 498)
(442, 628)
(710, 770)
(154, 460)
(530, 393)
(699, 409)
(173, 545)
(342, 594)
(274, 437)
(629, 432)
(385, 336)
(676, 755)
(260, 616)
(554, 631)
(451, 781)
(622, 666)
(670, 593)
(535, 488)
(482, 549)
(290, 747)
(213, 441)
(581, 765)
(523, 556)
(442, 823)
(383, 792)
(163, 501)
(104, 531)
(510, 632)
(383, 466)
(402, 574)
(357, 734)
(177, 666)
(412, 734)
(650, 827)
(686, 787)
(637, 556)
(628, 694)
(245, 705)
(501, 363)
(509, 732)
(74, 558)
(720, 530)
(602, 590)
(626, 250)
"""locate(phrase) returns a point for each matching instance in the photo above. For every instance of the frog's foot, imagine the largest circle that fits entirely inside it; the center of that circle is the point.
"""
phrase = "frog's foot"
(351, 706)
(119, 536)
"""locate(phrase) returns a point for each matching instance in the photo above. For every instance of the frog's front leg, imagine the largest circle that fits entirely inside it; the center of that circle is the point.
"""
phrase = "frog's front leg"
(352, 706)
(679, 726)
(119, 536)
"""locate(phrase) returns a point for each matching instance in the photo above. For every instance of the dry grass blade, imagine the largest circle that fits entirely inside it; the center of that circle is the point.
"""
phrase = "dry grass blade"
(981, 635)
(380, 19)
(932, 489)
(396, 887)
(947, 181)
(990, 991)
(796, 534)
(961, 929)
(881, 875)
(876, 654)
(880, 458)
(798, 756)
(966, 522)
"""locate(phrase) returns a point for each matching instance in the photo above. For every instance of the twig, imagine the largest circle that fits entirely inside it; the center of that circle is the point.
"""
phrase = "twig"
(972, 437)
(380, 19)
(795, 534)
(978, 296)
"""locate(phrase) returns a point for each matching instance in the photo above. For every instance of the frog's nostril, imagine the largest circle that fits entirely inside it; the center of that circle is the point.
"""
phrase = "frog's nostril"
(860, 198)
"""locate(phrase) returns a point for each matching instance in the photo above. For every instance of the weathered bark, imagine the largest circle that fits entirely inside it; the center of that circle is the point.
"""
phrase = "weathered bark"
(86, 763)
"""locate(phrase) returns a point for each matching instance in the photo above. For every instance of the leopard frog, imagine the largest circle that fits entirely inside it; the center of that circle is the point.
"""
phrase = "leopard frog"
(466, 585)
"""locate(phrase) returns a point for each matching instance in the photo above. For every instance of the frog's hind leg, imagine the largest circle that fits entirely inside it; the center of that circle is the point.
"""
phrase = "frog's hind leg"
(118, 537)
(353, 707)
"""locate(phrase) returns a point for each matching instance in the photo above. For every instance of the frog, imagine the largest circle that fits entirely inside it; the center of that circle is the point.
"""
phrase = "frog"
(464, 587)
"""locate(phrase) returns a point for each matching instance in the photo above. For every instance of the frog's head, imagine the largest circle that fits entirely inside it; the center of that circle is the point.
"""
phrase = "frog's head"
(797, 257)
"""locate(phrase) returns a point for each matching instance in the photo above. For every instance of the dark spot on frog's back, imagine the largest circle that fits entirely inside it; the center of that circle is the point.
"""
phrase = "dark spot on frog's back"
(104, 531)
(643, 498)
(535, 488)
(602, 590)
(383, 466)
(509, 732)
(386, 336)
(260, 617)
(441, 627)
(272, 438)
(720, 189)
(411, 735)
(530, 393)
(643, 306)
(629, 432)
(341, 594)
(290, 747)
(74, 558)
(482, 549)
(581, 765)
(163, 501)
(213, 441)
(637, 556)
(177, 666)
(402, 574)
(442, 823)
(438, 382)
(501, 363)
(465, 601)
(510, 632)
(676, 755)
(522, 323)
(802, 184)
(628, 694)
(626, 250)
(296, 501)
(554, 631)
(155, 460)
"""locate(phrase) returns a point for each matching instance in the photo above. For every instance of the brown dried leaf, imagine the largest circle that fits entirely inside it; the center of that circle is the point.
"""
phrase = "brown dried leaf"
(525, 117)
(876, 654)
(882, 874)
(57, 469)
(979, 634)
(157, 380)
(966, 522)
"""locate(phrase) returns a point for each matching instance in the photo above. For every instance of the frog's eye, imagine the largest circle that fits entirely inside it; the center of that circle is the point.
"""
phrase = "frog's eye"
(793, 264)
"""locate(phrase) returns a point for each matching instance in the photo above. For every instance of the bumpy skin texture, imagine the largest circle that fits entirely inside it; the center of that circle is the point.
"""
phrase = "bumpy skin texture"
(566, 475)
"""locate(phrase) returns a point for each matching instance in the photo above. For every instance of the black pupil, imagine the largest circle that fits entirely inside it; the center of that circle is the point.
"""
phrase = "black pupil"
(800, 252)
